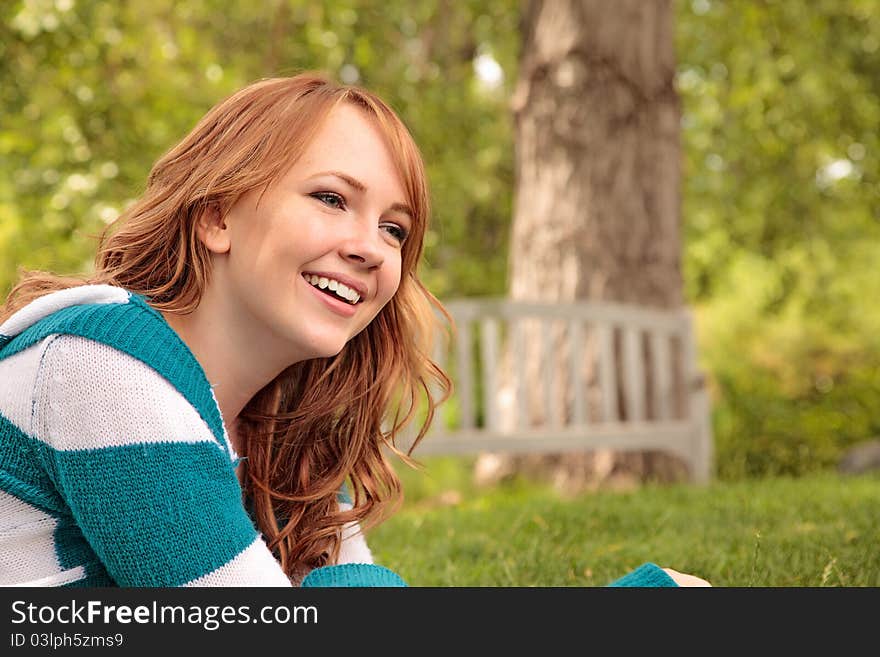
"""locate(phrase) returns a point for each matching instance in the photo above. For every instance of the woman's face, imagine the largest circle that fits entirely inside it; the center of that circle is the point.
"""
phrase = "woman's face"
(311, 262)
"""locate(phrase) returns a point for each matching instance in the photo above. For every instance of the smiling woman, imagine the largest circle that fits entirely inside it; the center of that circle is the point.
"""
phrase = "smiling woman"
(212, 405)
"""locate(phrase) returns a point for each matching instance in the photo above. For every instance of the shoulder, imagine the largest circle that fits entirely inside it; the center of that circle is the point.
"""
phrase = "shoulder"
(101, 347)
(90, 394)
(101, 312)
(72, 393)
(104, 313)
(82, 307)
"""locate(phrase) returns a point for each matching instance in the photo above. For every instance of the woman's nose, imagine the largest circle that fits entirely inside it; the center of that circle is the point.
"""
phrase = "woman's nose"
(362, 247)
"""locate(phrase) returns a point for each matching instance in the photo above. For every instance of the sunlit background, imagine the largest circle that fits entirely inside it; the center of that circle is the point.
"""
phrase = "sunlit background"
(781, 195)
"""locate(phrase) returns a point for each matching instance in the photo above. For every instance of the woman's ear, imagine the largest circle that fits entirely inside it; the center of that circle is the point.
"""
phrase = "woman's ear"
(212, 231)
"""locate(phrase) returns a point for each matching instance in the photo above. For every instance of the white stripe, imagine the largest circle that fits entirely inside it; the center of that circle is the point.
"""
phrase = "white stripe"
(354, 548)
(91, 395)
(62, 578)
(254, 566)
(27, 543)
(49, 303)
(18, 374)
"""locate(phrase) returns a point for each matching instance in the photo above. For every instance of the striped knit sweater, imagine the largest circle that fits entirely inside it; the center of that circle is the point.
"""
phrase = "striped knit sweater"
(115, 465)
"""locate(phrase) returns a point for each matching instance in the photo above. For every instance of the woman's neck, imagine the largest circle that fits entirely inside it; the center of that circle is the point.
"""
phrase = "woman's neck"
(233, 366)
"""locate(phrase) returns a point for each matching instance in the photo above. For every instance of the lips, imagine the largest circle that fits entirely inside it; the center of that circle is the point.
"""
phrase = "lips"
(333, 303)
(348, 281)
(332, 287)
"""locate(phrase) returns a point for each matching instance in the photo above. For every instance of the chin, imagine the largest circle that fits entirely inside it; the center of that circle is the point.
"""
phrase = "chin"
(326, 349)
(331, 353)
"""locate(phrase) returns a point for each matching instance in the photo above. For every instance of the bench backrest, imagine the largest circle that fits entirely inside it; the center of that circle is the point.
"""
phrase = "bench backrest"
(533, 377)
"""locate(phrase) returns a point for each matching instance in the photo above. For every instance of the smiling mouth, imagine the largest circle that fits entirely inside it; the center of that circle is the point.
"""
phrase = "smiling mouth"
(333, 288)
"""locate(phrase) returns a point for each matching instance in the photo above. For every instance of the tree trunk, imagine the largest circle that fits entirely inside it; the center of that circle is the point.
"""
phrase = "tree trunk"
(597, 206)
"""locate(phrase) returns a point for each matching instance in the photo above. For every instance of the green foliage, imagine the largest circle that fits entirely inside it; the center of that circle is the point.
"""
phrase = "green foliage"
(781, 191)
(94, 92)
(780, 106)
(797, 381)
(818, 530)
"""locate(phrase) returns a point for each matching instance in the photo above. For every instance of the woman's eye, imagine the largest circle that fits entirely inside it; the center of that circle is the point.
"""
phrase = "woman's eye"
(331, 199)
(397, 232)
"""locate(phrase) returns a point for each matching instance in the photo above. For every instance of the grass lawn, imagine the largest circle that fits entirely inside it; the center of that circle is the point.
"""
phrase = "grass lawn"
(818, 531)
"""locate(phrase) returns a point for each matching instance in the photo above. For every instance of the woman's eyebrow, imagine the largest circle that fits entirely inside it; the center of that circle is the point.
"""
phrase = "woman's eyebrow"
(403, 208)
(361, 187)
(344, 177)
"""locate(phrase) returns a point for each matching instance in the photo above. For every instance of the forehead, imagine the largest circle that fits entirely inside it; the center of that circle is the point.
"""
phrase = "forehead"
(349, 141)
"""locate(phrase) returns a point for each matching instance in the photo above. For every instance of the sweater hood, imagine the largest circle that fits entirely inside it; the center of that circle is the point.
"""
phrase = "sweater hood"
(50, 303)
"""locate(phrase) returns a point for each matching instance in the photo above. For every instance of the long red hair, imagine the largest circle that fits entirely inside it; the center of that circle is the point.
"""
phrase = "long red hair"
(321, 422)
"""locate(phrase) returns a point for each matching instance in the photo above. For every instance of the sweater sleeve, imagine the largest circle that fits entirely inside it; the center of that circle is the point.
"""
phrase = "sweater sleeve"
(355, 566)
(646, 575)
(148, 486)
(353, 574)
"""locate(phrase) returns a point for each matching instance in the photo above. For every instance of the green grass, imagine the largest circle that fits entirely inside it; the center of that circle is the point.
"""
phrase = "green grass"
(821, 530)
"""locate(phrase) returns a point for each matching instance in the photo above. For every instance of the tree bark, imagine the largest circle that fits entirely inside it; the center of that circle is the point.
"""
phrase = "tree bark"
(597, 208)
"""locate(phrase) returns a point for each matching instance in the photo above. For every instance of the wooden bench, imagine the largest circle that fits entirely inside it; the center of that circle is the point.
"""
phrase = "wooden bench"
(535, 377)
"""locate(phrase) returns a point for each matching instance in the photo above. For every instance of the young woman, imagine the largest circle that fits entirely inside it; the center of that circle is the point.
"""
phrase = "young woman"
(213, 405)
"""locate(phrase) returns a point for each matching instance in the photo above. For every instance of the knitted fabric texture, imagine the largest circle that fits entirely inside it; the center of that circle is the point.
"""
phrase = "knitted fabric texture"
(115, 465)
(353, 574)
(646, 575)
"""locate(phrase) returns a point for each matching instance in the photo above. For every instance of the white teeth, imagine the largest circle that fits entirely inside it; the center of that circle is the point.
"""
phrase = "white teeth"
(348, 293)
(341, 290)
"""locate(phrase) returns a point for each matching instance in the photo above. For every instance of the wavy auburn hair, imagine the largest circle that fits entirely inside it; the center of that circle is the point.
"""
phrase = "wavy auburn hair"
(324, 421)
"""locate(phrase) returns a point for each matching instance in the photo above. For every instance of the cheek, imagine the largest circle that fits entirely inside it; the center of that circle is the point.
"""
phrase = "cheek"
(391, 281)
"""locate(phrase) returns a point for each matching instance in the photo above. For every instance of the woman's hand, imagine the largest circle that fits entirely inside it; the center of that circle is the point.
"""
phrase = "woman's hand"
(685, 580)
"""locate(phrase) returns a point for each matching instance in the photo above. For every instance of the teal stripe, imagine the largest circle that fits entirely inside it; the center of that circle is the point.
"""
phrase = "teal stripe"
(646, 575)
(156, 514)
(343, 496)
(352, 574)
(141, 332)
(21, 474)
(95, 577)
(72, 550)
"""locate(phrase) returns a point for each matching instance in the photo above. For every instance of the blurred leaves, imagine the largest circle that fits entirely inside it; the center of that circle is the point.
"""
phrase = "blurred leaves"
(94, 92)
(781, 107)
(782, 223)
